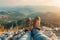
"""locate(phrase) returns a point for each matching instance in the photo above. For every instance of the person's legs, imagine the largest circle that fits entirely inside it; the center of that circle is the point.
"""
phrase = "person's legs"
(26, 36)
(37, 35)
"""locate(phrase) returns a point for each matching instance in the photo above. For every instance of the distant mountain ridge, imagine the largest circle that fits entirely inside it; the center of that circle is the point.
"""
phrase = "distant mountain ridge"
(17, 13)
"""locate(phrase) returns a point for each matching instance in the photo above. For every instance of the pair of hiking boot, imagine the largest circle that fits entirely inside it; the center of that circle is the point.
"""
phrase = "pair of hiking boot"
(36, 24)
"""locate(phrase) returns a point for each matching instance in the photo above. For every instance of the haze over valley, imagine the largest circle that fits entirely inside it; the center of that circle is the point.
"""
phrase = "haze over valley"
(50, 15)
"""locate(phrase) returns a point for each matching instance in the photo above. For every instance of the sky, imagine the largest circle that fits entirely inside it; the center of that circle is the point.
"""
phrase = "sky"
(30, 2)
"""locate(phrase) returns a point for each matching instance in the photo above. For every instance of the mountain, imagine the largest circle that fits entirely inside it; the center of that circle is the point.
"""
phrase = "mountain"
(52, 19)
(8, 14)
(49, 19)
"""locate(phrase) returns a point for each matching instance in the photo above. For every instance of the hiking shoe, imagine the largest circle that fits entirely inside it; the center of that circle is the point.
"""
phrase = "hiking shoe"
(36, 23)
(28, 24)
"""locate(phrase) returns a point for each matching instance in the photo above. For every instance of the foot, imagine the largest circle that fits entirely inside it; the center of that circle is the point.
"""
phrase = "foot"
(28, 24)
(37, 23)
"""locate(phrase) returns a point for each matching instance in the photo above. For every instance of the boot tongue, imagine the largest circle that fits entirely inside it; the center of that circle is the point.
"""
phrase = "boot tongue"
(27, 24)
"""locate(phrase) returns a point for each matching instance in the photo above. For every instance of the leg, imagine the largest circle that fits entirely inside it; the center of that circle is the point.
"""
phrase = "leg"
(37, 35)
(26, 36)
